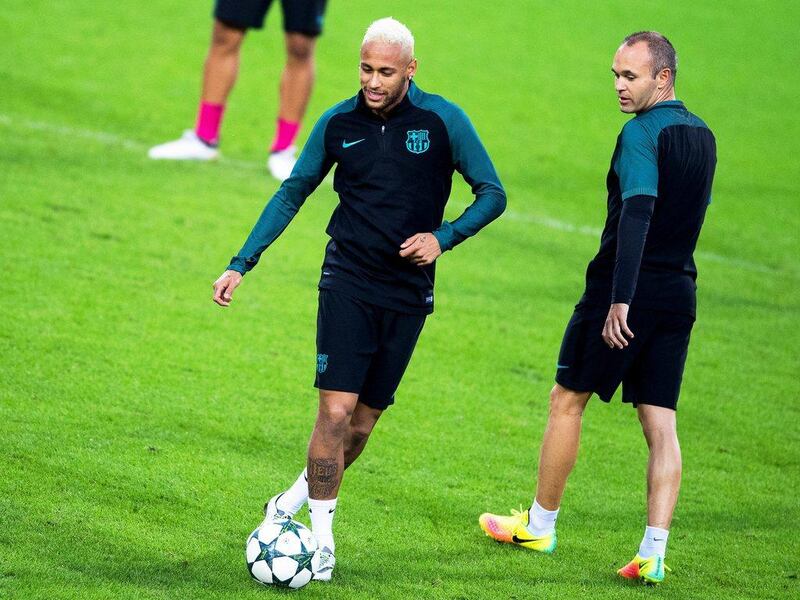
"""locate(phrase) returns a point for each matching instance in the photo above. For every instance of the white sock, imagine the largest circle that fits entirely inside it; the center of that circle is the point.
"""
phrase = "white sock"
(321, 513)
(540, 520)
(295, 497)
(654, 542)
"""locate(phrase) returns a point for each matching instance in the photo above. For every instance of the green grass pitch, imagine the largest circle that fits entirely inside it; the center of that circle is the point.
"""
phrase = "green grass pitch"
(142, 427)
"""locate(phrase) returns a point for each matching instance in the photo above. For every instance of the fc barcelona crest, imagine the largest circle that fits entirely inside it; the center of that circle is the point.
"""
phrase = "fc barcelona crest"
(418, 141)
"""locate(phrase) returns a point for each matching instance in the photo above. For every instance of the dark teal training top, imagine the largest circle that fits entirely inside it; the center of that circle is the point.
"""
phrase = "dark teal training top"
(669, 154)
(393, 177)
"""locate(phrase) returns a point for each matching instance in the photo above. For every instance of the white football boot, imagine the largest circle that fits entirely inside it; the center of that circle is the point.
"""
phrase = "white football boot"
(322, 564)
(272, 512)
(281, 163)
(187, 147)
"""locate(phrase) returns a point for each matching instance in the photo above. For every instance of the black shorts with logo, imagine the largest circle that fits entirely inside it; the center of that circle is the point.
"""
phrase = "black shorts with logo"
(362, 348)
(299, 16)
(650, 368)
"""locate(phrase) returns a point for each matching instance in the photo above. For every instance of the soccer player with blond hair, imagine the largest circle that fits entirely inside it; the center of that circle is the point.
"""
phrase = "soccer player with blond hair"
(395, 149)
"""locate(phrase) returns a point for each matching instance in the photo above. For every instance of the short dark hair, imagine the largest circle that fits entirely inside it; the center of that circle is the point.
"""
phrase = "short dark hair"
(661, 50)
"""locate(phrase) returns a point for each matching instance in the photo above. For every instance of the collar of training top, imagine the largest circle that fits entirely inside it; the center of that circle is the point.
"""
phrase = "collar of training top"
(667, 104)
(404, 105)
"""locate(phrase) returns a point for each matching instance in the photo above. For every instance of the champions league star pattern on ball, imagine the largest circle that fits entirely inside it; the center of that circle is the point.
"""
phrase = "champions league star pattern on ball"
(280, 552)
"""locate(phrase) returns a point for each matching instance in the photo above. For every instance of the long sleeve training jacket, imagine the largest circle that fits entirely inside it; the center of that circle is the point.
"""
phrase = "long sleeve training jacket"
(393, 177)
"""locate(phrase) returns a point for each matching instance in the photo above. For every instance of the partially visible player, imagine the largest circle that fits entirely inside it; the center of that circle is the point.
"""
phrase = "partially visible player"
(659, 186)
(396, 149)
(302, 23)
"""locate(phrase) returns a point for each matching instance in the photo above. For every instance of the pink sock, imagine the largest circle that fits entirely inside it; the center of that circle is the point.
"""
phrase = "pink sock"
(284, 135)
(209, 118)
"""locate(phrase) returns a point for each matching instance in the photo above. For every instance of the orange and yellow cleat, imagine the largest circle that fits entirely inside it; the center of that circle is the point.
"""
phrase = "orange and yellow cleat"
(649, 570)
(514, 530)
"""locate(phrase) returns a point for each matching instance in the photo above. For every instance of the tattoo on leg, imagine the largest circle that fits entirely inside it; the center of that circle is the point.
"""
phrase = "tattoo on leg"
(323, 476)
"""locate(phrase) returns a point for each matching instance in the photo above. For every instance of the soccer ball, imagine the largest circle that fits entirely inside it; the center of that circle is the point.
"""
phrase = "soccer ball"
(279, 553)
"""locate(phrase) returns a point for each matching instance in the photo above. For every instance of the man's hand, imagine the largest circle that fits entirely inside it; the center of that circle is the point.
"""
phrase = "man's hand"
(616, 325)
(421, 249)
(224, 286)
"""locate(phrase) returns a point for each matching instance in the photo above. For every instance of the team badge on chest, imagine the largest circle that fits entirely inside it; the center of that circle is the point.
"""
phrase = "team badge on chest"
(418, 141)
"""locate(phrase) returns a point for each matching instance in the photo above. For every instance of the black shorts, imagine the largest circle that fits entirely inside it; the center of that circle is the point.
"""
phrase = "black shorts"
(650, 368)
(362, 348)
(299, 16)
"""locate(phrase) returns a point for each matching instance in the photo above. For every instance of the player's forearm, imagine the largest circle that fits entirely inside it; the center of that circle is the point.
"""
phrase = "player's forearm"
(488, 205)
(311, 168)
(631, 236)
(276, 216)
(472, 161)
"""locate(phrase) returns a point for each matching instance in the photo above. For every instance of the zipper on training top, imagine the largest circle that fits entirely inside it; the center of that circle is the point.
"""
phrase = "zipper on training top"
(383, 138)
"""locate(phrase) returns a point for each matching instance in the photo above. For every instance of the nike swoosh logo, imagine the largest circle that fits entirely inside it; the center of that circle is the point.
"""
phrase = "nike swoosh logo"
(520, 540)
(346, 144)
(331, 510)
(562, 366)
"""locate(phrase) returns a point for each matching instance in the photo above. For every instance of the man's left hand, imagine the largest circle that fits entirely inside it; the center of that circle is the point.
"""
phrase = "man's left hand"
(421, 249)
(616, 325)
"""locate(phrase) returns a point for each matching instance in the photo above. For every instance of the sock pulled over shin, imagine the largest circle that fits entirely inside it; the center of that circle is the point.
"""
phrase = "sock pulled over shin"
(295, 497)
(209, 119)
(285, 134)
(321, 513)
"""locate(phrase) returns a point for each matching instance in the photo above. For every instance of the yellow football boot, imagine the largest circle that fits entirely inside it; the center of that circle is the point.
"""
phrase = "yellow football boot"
(514, 530)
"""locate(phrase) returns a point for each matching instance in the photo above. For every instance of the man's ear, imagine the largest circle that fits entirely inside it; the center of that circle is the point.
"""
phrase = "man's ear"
(412, 69)
(663, 77)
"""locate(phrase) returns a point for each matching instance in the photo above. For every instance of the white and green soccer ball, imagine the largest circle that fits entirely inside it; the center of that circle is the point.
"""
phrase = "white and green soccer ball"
(279, 553)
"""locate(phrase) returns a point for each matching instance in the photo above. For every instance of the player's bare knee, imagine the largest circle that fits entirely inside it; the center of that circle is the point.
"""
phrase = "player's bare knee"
(336, 414)
(658, 424)
(359, 433)
(661, 440)
(564, 402)
(299, 49)
(226, 39)
(334, 417)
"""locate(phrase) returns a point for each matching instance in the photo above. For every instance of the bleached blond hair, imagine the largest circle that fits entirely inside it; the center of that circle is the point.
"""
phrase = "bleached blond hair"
(390, 31)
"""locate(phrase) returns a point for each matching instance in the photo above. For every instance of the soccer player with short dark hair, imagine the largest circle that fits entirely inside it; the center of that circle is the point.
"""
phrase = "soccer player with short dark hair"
(632, 324)
(396, 149)
(302, 24)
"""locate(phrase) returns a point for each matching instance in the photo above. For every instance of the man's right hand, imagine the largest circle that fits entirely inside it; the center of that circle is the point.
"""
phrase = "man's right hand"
(616, 327)
(224, 286)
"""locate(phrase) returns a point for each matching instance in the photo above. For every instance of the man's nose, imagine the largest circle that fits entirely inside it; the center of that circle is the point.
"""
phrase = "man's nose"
(619, 84)
(375, 80)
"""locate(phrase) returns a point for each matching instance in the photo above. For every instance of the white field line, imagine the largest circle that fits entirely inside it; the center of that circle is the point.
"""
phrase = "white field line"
(544, 221)
(108, 138)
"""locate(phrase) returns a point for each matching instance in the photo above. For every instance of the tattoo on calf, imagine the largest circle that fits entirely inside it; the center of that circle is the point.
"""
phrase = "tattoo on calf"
(323, 475)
